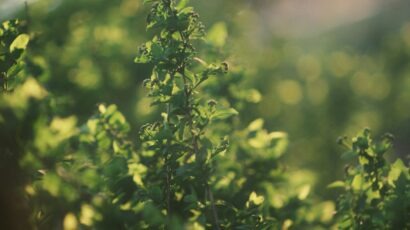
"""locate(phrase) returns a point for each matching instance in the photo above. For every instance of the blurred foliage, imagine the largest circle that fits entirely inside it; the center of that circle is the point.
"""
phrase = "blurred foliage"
(62, 169)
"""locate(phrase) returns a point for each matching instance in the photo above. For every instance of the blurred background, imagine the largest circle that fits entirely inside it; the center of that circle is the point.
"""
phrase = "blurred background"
(324, 69)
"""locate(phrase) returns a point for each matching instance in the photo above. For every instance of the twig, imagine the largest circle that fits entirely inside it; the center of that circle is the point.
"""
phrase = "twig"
(28, 20)
(168, 169)
(213, 208)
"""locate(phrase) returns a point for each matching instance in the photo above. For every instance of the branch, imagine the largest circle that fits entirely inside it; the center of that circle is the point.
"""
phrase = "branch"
(213, 208)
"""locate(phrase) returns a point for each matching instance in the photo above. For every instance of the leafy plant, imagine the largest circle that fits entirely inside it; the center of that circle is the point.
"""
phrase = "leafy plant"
(196, 166)
(182, 145)
(12, 46)
(376, 192)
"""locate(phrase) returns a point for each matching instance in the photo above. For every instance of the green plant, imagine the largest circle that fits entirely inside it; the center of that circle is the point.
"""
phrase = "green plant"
(182, 145)
(376, 193)
(91, 175)
(196, 166)
(13, 42)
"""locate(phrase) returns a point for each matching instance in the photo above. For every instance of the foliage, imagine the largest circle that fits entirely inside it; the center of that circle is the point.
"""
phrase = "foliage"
(12, 46)
(182, 145)
(376, 193)
(198, 164)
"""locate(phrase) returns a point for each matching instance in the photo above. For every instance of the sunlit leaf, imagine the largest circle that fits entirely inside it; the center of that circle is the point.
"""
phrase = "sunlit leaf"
(358, 183)
(397, 168)
(20, 42)
(337, 184)
(224, 114)
(304, 192)
(255, 199)
(70, 222)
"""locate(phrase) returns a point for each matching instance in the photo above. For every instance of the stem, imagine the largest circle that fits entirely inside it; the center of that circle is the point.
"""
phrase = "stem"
(168, 189)
(28, 19)
(195, 136)
(6, 84)
(168, 169)
(187, 93)
(213, 207)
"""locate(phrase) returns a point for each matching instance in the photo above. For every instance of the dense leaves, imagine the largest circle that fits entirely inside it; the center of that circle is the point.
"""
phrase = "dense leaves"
(13, 42)
(182, 145)
(376, 192)
(197, 165)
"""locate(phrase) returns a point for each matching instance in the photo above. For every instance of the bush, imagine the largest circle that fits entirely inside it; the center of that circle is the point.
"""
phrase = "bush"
(195, 166)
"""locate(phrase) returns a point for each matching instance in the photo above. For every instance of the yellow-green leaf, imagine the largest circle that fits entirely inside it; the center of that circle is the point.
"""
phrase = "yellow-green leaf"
(336, 184)
(20, 42)
(224, 113)
(255, 199)
(70, 222)
(396, 169)
(256, 124)
(357, 183)
(304, 192)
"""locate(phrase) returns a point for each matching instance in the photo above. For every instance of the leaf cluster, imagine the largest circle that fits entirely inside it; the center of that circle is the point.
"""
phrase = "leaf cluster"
(376, 193)
(13, 42)
(196, 166)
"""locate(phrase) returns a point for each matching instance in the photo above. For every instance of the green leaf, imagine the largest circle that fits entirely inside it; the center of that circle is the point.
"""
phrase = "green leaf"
(15, 69)
(20, 42)
(256, 124)
(304, 192)
(117, 118)
(357, 183)
(396, 169)
(111, 109)
(116, 147)
(224, 114)
(186, 11)
(255, 199)
(346, 223)
(337, 184)
(142, 59)
(52, 184)
(157, 51)
(92, 125)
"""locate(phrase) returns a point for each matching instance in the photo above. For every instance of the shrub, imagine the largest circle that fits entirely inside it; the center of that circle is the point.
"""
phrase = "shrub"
(196, 166)
(376, 193)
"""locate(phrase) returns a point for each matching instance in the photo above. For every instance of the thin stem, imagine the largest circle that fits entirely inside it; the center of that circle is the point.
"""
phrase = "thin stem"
(6, 84)
(168, 189)
(181, 66)
(194, 135)
(28, 19)
(168, 169)
(213, 208)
